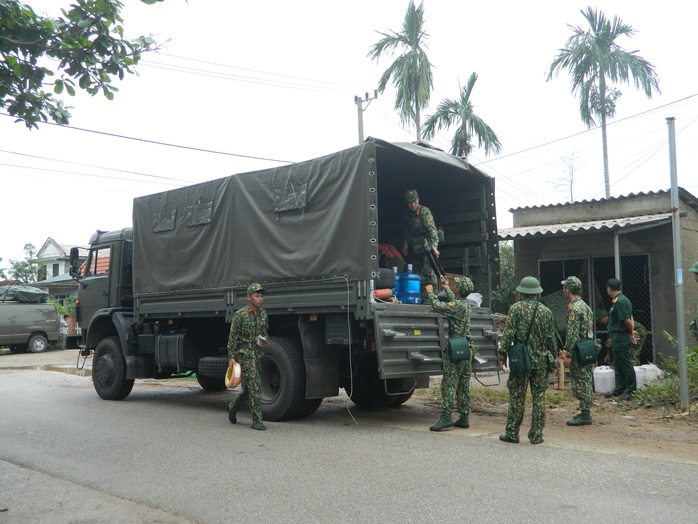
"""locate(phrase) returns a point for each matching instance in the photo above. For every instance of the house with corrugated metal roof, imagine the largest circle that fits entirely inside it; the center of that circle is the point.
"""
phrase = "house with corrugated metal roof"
(588, 238)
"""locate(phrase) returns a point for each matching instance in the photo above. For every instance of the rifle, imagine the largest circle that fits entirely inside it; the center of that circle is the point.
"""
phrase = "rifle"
(434, 261)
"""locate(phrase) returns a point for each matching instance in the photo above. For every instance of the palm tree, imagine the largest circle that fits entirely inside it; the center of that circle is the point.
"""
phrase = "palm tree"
(411, 71)
(593, 59)
(460, 112)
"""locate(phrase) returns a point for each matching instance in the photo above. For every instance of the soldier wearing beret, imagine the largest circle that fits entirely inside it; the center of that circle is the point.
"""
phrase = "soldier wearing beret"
(249, 331)
(455, 384)
(580, 326)
(418, 223)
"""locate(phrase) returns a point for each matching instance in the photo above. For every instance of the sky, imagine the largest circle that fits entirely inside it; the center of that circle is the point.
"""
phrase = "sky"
(242, 86)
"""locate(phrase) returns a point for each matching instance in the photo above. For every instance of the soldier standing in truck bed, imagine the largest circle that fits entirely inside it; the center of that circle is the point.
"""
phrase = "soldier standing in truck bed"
(418, 226)
(248, 334)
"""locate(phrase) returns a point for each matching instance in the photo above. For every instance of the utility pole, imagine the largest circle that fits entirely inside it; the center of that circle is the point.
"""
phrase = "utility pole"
(678, 271)
(360, 111)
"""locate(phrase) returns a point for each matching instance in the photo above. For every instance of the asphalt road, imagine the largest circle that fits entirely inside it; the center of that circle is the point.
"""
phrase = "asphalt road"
(168, 454)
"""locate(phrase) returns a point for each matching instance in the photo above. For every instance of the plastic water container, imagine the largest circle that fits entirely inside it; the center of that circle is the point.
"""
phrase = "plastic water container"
(410, 283)
(640, 376)
(604, 379)
(396, 289)
(651, 373)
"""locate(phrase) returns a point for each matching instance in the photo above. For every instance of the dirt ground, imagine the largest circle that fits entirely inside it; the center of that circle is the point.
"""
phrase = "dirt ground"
(619, 427)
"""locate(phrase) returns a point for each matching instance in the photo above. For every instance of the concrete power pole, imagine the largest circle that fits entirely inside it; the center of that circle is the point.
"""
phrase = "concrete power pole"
(360, 112)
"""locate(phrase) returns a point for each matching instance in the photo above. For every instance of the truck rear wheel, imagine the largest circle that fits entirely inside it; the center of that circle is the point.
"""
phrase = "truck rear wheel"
(109, 371)
(283, 380)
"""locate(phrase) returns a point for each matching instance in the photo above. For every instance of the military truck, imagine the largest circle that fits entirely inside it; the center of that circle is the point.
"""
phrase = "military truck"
(157, 299)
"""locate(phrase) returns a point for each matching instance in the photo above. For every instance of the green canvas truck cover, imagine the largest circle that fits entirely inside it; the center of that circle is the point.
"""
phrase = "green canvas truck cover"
(313, 220)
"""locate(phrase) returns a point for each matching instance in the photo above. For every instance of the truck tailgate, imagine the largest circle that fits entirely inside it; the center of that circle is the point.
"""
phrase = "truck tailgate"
(409, 339)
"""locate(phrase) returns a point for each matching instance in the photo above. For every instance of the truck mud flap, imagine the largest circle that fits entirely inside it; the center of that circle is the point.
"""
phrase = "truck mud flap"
(409, 340)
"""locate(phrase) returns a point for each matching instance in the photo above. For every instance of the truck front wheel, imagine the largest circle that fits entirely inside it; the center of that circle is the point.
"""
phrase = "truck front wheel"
(283, 380)
(109, 371)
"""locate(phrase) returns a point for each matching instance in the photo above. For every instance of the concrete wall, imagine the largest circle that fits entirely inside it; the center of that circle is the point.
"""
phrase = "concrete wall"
(657, 242)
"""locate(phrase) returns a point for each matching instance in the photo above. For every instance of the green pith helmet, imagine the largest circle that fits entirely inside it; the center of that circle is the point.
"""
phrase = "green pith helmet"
(573, 284)
(694, 269)
(529, 286)
(599, 314)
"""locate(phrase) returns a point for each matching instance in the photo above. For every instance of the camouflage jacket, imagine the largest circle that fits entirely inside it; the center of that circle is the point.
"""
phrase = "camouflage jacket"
(542, 339)
(246, 327)
(580, 323)
(420, 224)
(457, 312)
(641, 336)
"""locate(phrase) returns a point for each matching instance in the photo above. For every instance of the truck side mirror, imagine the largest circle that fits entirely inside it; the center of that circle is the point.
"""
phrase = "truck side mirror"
(74, 263)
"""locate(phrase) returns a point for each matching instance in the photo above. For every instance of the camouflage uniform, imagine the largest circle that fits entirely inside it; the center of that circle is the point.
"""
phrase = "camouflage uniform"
(541, 341)
(636, 349)
(242, 346)
(421, 224)
(693, 326)
(580, 326)
(456, 378)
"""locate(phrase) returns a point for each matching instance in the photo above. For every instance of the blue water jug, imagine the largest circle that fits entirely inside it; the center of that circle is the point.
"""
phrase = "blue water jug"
(410, 283)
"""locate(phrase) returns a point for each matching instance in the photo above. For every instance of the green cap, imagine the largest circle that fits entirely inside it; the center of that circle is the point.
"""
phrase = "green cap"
(599, 314)
(465, 285)
(529, 286)
(255, 287)
(573, 284)
(694, 269)
(411, 195)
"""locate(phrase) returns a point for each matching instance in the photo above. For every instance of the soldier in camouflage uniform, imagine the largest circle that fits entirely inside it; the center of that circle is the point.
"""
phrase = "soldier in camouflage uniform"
(418, 221)
(636, 348)
(541, 343)
(693, 328)
(580, 326)
(455, 383)
(249, 331)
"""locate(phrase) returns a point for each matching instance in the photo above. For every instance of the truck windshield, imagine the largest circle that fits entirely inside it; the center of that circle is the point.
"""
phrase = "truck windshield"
(98, 262)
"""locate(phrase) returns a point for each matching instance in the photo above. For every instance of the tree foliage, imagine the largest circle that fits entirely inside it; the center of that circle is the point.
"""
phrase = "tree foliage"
(28, 270)
(594, 59)
(411, 71)
(505, 295)
(84, 48)
(461, 113)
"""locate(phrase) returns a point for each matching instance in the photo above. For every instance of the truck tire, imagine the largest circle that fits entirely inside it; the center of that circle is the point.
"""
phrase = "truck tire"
(310, 406)
(283, 380)
(38, 344)
(385, 279)
(211, 383)
(109, 371)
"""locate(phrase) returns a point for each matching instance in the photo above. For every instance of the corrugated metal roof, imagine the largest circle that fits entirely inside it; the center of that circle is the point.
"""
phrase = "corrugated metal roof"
(580, 227)
(684, 195)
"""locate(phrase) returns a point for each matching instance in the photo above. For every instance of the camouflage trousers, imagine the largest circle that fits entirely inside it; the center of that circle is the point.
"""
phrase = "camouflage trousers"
(582, 385)
(455, 385)
(518, 384)
(250, 361)
(426, 275)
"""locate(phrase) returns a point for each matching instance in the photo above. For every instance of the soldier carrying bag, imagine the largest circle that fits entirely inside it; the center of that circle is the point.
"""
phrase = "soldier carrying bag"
(519, 357)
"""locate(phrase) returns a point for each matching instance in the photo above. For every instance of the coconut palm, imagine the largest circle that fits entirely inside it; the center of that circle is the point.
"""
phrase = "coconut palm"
(460, 112)
(411, 71)
(594, 59)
